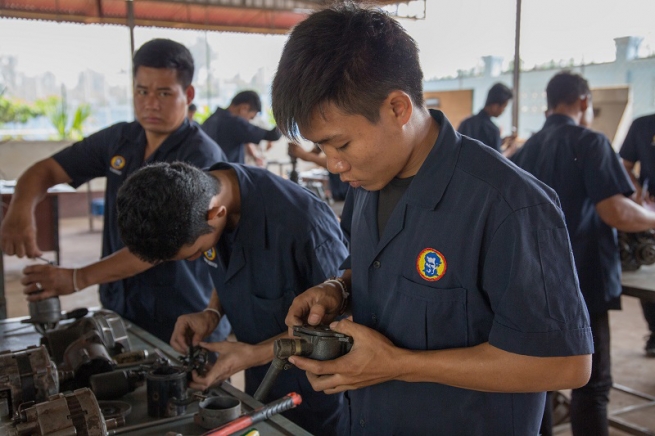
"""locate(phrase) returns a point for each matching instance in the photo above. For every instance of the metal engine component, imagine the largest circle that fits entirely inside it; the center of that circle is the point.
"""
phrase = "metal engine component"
(195, 360)
(108, 324)
(26, 375)
(315, 342)
(636, 249)
(216, 411)
(115, 409)
(115, 384)
(87, 356)
(76, 413)
(45, 314)
(165, 383)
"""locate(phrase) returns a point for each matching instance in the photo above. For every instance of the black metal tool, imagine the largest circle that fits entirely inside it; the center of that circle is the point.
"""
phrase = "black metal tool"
(315, 342)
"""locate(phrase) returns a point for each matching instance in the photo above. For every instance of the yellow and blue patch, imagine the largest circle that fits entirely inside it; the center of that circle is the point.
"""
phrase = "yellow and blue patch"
(210, 254)
(117, 162)
(431, 264)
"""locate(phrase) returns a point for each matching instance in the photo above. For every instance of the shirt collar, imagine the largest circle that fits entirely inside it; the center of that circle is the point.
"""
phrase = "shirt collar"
(558, 120)
(175, 138)
(435, 174)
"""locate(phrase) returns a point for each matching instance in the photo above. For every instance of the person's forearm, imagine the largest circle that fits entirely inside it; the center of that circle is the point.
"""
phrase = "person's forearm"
(625, 215)
(272, 135)
(489, 369)
(117, 266)
(33, 184)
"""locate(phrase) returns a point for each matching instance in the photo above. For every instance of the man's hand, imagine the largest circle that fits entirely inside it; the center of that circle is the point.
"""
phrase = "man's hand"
(317, 305)
(52, 279)
(232, 358)
(192, 328)
(373, 359)
(18, 235)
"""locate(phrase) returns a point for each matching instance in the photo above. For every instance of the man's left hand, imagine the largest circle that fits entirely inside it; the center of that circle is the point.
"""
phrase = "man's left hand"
(373, 359)
(232, 358)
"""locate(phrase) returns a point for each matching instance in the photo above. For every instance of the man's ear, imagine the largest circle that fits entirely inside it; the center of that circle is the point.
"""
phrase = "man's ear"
(584, 103)
(190, 94)
(216, 212)
(401, 106)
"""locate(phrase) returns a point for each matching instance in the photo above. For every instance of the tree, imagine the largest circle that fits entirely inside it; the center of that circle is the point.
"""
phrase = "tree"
(14, 111)
(68, 126)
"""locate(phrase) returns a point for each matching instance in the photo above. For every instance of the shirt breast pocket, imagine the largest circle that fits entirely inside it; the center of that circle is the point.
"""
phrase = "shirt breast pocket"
(428, 318)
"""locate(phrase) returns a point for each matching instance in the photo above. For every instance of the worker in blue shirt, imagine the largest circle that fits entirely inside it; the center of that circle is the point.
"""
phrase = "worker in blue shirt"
(264, 239)
(639, 146)
(232, 130)
(464, 300)
(481, 127)
(338, 189)
(151, 297)
(593, 188)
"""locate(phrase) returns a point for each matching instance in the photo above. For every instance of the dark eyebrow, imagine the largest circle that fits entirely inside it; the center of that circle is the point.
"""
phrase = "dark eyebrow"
(327, 139)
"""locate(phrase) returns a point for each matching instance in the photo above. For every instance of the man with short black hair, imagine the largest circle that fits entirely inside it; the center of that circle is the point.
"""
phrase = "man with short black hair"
(150, 296)
(264, 240)
(581, 166)
(482, 128)
(232, 130)
(469, 343)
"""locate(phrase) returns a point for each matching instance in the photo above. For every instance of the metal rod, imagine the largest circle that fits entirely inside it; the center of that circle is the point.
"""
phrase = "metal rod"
(143, 425)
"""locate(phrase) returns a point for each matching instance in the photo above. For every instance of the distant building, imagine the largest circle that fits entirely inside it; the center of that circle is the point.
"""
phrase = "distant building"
(632, 78)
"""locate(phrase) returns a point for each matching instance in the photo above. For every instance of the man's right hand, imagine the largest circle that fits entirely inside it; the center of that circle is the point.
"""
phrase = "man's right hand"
(191, 329)
(317, 305)
(52, 281)
(18, 234)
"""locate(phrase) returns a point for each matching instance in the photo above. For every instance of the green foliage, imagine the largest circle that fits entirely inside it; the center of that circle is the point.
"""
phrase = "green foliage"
(15, 111)
(202, 114)
(68, 125)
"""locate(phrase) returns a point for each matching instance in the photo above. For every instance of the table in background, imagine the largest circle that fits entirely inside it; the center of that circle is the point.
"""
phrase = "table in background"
(142, 340)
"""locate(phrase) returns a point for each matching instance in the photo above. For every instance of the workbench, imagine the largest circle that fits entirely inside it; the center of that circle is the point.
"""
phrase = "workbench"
(15, 336)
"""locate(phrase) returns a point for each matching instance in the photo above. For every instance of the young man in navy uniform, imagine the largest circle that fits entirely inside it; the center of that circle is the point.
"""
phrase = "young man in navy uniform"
(232, 130)
(481, 127)
(472, 348)
(151, 297)
(593, 188)
(639, 146)
(265, 239)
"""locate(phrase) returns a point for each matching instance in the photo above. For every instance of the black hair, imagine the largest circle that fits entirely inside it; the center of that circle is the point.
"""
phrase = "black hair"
(164, 53)
(566, 87)
(498, 94)
(193, 107)
(163, 207)
(349, 56)
(249, 97)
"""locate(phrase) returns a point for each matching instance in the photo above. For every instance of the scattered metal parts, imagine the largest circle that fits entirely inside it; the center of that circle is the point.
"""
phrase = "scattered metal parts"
(195, 360)
(26, 376)
(636, 249)
(216, 411)
(76, 413)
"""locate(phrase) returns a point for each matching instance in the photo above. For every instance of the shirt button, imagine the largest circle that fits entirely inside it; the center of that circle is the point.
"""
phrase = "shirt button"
(362, 422)
(377, 264)
(374, 319)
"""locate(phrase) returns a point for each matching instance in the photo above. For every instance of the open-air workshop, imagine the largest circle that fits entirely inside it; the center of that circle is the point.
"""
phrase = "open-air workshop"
(327, 217)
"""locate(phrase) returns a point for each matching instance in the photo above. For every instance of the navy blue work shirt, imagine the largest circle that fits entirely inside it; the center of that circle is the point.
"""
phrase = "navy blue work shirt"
(232, 132)
(475, 251)
(481, 127)
(581, 166)
(155, 298)
(287, 241)
(639, 146)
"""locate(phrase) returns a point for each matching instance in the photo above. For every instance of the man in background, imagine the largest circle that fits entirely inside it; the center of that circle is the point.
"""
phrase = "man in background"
(639, 146)
(482, 128)
(232, 130)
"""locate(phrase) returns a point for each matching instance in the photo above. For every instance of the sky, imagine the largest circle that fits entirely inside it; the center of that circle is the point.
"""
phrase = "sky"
(454, 35)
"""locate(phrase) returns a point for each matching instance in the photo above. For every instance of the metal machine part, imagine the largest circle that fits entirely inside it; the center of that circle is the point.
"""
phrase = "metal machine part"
(46, 314)
(87, 356)
(26, 375)
(76, 413)
(114, 409)
(195, 360)
(315, 342)
(636, 249)
(164, 383)
(115, 384)
(216, 411)
(108, 324)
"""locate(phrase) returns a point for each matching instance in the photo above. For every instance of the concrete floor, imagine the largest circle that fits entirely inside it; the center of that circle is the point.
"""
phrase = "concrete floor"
(631, 368)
